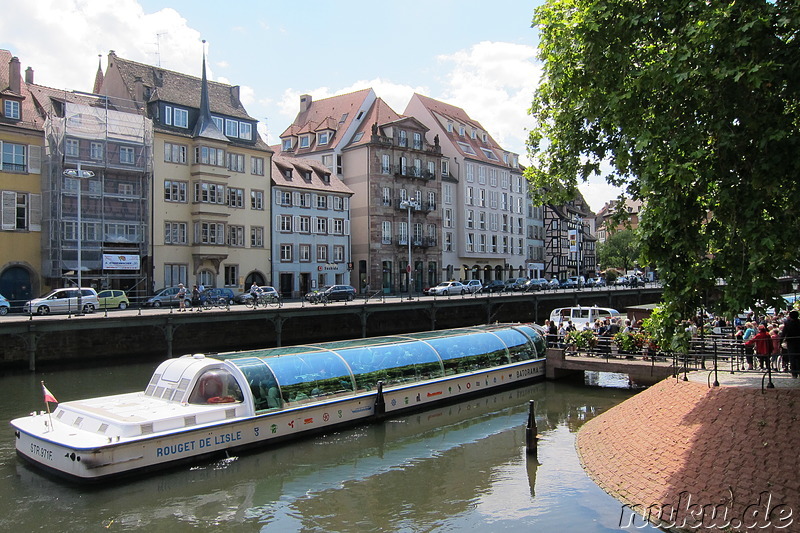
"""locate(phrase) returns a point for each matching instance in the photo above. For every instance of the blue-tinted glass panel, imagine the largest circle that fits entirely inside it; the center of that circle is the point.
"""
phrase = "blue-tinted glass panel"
(470, 352)
(519, 347)
(262, 382)
(536, 337)
(312, 375)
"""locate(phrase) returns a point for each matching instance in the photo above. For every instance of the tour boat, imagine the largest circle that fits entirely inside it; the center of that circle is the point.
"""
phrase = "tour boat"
(198, 406)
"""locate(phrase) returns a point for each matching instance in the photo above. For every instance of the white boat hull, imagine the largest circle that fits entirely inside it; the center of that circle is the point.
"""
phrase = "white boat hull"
(36, 437)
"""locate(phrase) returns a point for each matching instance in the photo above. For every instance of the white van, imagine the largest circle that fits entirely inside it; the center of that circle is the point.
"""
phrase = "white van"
(64, 301)
(581, 316)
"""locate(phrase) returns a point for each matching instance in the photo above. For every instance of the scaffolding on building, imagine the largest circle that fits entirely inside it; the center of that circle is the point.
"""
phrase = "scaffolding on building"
(85, 131)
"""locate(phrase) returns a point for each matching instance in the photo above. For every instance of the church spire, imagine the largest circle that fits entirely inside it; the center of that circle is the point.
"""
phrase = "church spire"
(98, 78)
(205, 126)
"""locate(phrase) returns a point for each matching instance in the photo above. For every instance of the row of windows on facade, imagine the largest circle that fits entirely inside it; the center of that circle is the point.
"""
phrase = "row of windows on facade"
(175, 273)
(206, 155)
(215, 193)
(233, 235)
(487, 221)
(179, 118)
(125, 155)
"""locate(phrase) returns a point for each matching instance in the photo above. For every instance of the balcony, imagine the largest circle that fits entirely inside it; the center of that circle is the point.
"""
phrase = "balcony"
(409, 171)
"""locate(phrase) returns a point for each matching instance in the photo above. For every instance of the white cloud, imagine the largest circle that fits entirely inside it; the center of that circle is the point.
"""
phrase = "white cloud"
(61, 39)
(494, 83)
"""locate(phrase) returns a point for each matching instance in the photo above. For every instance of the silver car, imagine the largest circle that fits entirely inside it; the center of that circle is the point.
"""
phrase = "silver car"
(64, 301)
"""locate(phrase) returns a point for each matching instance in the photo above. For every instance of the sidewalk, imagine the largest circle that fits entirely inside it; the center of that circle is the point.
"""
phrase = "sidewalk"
(694, 457)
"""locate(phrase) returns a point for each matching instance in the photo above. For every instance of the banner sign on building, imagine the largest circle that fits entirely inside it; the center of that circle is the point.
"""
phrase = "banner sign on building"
(572, 235)
(120, 262)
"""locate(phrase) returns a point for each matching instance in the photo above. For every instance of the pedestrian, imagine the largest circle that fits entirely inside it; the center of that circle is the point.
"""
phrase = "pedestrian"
(763, 346)
(791, 336)
(552, 335)
(747, 339)
(196, 299)
(775, 336)
(181, 297)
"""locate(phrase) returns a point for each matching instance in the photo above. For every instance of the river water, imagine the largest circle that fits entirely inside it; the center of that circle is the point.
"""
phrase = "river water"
(459, 467)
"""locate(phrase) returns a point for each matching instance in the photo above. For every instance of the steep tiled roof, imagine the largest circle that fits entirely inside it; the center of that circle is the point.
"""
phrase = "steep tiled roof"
(178, 88)
(335, 113)
(380, 113)
(298, 166)
(465, 144)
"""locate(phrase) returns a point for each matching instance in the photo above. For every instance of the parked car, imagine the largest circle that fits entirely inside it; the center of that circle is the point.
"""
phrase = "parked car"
(167, 296)
(574, 282)
(554, 284)
(596, 282)
(473, 286)
(217, 293)
(496, 285)
(535, 284)
(5, 306)
(113, 299)
(263, 289)
(515, 284)
(446, 288)
(64, 300)
(332, 293)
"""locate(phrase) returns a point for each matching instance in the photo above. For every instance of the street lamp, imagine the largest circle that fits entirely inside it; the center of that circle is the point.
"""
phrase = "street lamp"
(795, 286)
(79, 174)
(409, 204)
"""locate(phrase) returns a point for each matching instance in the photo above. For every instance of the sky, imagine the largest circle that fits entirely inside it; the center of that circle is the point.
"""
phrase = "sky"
(477, 55)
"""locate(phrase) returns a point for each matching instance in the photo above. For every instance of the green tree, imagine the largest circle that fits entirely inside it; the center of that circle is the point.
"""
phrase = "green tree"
(620, 250)
(692, 106)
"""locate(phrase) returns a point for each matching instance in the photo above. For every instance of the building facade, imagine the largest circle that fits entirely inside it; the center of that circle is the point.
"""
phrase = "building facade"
(21, 146)
(484, 196)
(211, 221)
(570, 245)
(392, 166)
(311, 240)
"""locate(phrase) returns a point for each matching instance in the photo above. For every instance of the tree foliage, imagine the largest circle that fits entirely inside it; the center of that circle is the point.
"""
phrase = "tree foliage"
(620, 250)
(695, 106)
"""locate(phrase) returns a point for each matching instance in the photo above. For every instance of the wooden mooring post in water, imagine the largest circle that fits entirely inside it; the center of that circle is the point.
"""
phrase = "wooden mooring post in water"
(531, 433)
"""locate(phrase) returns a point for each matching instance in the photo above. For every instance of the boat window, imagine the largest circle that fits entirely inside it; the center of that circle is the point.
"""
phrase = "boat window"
(518, 345)
(534, 336)
(215, 385)
(392, 364)
(470, 352)
(311, 375)
(266, 393)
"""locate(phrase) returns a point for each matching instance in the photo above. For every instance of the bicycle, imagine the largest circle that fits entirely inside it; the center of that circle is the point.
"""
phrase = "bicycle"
(220, 302)
(265, 300)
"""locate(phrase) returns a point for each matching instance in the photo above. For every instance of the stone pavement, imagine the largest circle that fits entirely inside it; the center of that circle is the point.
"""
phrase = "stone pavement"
(693, 457)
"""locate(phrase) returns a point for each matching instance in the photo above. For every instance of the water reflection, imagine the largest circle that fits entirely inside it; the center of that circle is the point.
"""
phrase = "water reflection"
(457, 467)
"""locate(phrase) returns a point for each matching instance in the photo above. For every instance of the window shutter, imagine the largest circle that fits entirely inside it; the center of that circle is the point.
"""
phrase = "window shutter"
(308, 199)
(330, 226)
(1, 155)
(347, 228)
(9, 208)
(35, 214)
(34, 159)
(295, 223)
(346, 203)
(196, 232)
(277, 197)
(313, 224)
(296, 197)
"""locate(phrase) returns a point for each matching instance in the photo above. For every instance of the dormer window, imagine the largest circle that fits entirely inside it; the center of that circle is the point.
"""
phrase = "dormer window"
(305, 141)
(323, 137)
(11, 109)
(231, 128)
(474, 133)
(307, 175)
(449, 127)
(485, 138)
(175, 116)
(287, 144)
(287, 173)
(245, 131)
(461, 130)
(326, 178)
(218, 122)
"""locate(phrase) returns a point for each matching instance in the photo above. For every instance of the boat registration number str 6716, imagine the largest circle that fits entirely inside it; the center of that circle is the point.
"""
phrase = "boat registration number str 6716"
(192, 445)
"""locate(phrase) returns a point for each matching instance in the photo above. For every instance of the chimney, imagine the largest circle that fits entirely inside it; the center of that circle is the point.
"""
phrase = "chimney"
(29, 75)
(13, 75)
(235, 90)
(305, 102)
